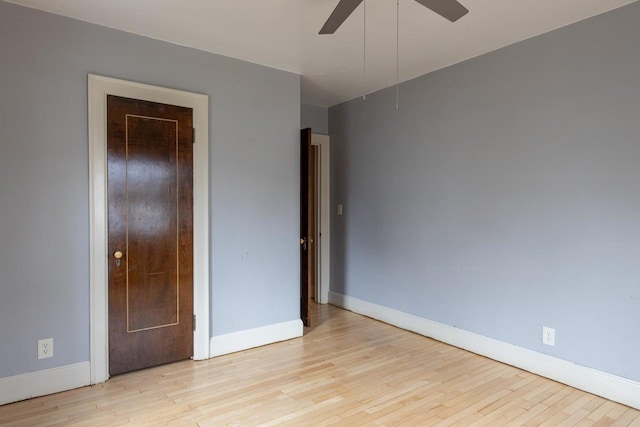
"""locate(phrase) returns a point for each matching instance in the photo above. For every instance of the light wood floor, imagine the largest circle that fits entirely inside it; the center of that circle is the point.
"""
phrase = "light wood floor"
(348, 370)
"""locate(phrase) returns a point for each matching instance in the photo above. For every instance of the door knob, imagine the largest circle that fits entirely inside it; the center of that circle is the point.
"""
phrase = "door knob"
(303, 242)
(117, 255)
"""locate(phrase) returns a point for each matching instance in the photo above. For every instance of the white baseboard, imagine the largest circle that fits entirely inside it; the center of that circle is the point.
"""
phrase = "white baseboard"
(590, 380)
(250, 338)
(48, 381)
(39, 383)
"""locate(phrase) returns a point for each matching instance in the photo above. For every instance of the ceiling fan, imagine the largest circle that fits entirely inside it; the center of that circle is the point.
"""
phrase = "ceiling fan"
(449, 9)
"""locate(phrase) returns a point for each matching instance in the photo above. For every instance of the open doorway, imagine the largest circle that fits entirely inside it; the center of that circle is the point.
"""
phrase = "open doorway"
(323, 216)
(314, 221)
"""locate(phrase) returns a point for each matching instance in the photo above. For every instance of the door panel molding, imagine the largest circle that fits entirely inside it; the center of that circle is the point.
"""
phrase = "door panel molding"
(99, 87)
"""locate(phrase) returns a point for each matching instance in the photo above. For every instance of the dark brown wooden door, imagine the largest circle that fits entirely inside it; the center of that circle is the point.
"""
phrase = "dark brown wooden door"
(307, 222)
(150, 208)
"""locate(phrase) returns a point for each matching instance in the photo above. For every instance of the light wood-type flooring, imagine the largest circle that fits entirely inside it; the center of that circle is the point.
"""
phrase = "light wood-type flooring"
(348, 370)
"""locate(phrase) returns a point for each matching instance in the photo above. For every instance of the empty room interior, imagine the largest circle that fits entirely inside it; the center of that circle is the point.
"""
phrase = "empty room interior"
(320, 212)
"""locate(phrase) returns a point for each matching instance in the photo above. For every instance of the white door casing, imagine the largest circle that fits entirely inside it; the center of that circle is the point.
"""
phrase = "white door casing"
(99, 87)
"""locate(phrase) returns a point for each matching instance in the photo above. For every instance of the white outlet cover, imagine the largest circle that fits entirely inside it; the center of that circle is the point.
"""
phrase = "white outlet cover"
(45, 348)
(548, 336)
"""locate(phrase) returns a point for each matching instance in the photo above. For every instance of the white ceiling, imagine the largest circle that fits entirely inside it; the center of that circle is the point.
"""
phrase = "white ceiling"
(283, 34)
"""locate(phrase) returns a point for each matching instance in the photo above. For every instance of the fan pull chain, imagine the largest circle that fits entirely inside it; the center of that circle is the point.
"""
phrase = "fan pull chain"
(397, 54)
(364, 53)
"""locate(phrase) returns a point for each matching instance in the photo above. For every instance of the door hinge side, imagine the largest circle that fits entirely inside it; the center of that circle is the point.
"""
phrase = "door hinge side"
(194, 322)
(194, 136)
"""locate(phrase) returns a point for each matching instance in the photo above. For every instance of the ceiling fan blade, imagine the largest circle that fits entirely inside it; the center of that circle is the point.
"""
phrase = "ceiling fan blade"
(339, 15)
(449, 9)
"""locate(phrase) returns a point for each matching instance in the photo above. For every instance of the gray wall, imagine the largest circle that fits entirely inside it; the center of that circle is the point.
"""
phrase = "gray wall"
(504, 194)
(314, 117)
(44, 179)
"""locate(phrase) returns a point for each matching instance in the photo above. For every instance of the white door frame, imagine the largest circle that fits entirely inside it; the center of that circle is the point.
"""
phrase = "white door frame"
(325, 216)
(99, 87)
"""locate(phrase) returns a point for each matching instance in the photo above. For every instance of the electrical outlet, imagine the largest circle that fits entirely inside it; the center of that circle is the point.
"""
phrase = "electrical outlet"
(45, 348)
(548, 336)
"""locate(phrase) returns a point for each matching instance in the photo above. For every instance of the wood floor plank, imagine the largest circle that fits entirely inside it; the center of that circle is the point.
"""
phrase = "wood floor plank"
(348, 370)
